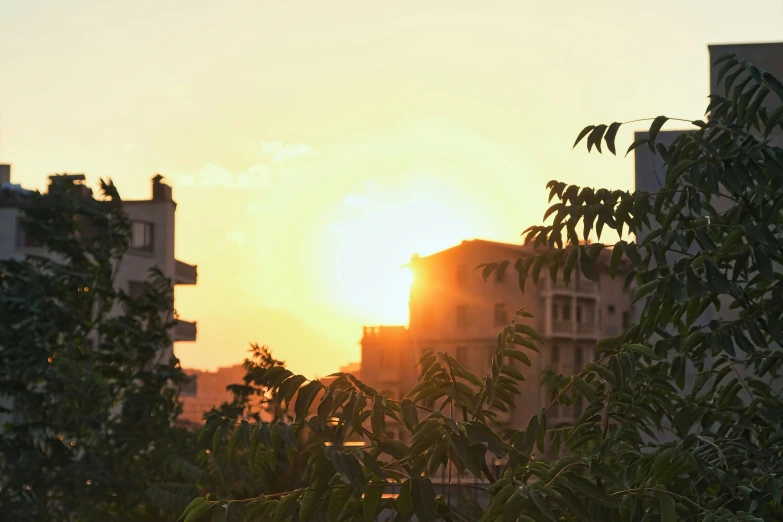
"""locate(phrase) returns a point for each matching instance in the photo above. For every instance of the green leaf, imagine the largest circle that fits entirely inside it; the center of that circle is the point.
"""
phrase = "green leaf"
(668, 512)
(591, 490)
(404, 500)
(585, 388)
(643, 350)
(410, 414)
(594, 140)
(582, 134)
(284, 508)
(654, 129)
(569, 265)
(588, 266)
(337, 501)
(190, 507)
(200, 510)
(645, 289)
(610, 135)
(305, 398)
(527, 330)
(378, 419)
(372, 498)
(614, 262)
(288, 388)
(423, 495)
(635, 144)
(541, 504)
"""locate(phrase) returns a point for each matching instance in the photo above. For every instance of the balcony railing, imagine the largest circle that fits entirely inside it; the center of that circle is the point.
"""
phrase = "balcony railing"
(185, 274)
(562, 327)
(583, 286)
(587, 329)
(184, 331)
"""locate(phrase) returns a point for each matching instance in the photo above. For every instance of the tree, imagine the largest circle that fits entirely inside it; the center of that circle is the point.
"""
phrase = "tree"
(650, 444)
(87, 371)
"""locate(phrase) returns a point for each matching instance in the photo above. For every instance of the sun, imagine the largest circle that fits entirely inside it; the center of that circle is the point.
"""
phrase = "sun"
(368, 252)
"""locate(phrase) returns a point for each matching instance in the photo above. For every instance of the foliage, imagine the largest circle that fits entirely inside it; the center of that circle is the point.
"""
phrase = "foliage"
(651, 443)
(88, 378)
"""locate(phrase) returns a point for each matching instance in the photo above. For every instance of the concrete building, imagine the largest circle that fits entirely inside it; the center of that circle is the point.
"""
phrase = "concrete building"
(453, 310)
(152, 242)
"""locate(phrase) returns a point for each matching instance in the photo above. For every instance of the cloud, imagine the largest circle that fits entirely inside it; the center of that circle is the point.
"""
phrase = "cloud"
(356, 200)
(256, 177)
(236, 236)
(281, 152)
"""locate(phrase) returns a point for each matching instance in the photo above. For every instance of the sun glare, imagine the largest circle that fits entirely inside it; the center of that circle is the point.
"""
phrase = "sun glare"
(369, 248)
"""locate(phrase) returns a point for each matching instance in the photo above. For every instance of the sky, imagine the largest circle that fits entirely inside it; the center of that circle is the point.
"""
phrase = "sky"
(314, 146)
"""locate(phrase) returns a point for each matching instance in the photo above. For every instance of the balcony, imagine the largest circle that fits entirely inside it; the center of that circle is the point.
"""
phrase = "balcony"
(185, 274)
(577, 285)
(184, 331)
(563, 328)
(584, 329)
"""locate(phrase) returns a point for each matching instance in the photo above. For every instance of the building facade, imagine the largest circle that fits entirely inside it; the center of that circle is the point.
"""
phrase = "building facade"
(454, 310)
(152, 239)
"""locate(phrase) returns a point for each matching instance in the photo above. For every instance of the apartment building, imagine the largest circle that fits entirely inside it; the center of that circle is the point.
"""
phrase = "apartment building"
(453, 310)
(152, 239)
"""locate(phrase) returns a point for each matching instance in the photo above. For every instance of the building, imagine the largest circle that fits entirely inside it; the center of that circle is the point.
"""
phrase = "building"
(207, 390)
(152, 239)
(453, 310)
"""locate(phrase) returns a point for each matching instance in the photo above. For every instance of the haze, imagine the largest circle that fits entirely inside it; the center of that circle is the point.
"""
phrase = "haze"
(314, 146)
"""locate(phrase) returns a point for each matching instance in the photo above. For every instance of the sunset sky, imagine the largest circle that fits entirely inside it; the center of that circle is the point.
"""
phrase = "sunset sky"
(314, 146)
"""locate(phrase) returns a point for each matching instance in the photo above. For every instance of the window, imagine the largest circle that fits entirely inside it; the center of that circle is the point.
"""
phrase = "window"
(566, 309)
(577, 358)
(462, 355)
(626, 320)
(501, 315)
(578, 314)
(22, 239)
(135, 288)
(555, 354)
(610, 310)
(142, 236)
(462, 274)
(555, 313)
(462, 316)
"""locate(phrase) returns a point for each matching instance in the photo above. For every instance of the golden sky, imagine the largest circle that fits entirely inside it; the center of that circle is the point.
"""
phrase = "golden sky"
(313, 146)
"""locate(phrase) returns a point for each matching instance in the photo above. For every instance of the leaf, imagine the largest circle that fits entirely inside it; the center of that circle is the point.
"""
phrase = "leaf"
(635, 144)
(190, 507)
(200, 510)
(337, 501)
(527, 330)
(541, 504)
(410, 414)
(404, 500)
(668, 513)
(569, 265)
(288, 388)
(284, 507)
(582, 134)
(423, 495)
(643, 350)
(588, 266)
(614, 262)
(305, 398)
(595, 137)
(371, 500)
(654, 129)
(610, 135)
(378, 419)
(591, 490)
(585, 388)
(645, 289)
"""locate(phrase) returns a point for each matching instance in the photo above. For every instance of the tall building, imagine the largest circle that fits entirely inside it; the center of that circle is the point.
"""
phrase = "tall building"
(453, 310)
(152, 239)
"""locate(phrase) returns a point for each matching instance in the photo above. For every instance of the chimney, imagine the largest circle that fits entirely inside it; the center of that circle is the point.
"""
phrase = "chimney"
(160, 191)
(5, 174)
(58, 181)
